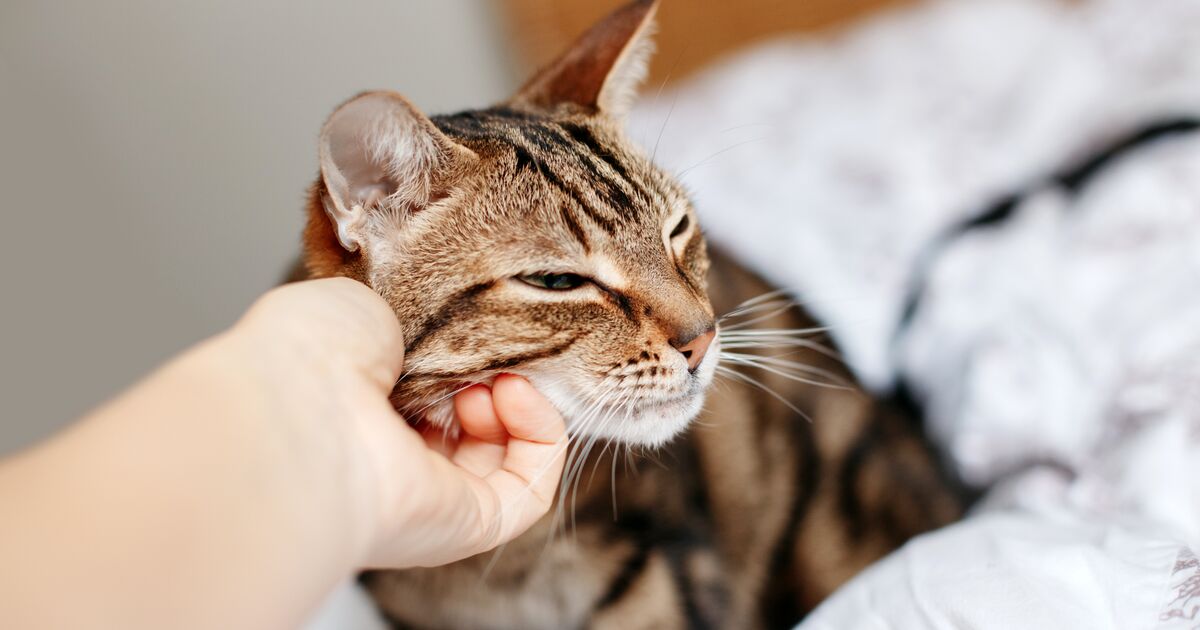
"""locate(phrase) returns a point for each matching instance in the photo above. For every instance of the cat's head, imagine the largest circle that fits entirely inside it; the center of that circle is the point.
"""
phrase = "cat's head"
(529, 238)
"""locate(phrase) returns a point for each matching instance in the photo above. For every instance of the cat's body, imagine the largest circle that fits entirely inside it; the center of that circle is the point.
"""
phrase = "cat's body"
(747, 520)
(533, 238)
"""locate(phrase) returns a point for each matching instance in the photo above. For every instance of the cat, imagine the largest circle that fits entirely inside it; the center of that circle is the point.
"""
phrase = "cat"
(533, 238)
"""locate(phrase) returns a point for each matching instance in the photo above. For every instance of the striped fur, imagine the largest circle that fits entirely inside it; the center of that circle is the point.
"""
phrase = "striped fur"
(752, 515)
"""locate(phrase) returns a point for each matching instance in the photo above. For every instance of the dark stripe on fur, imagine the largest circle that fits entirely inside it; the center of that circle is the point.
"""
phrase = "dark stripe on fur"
(531, 137)
(583, 135)
(574, 228)
(633, 567)
(612, 190)
(552, 139)
(677, 542)
(621, 301)
(505, 363)
(780, 607)
(849, 501)
(698, 539)
(468, 126)
(525, 159)
(449, 310)
(601, 221)
(677, 555)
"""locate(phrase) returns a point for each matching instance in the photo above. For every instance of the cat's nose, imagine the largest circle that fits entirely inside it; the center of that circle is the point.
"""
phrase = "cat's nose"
(693, 349)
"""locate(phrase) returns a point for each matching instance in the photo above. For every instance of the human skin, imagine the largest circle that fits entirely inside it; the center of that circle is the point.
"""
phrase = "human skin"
(239, 483)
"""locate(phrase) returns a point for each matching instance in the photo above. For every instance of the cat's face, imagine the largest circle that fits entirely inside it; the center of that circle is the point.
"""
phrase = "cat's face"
(529, 238)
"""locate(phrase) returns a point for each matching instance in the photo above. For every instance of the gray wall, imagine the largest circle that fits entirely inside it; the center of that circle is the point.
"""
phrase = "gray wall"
(153, 158)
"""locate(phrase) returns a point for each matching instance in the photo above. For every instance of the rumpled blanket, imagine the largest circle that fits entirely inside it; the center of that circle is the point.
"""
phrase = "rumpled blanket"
(1056, 352)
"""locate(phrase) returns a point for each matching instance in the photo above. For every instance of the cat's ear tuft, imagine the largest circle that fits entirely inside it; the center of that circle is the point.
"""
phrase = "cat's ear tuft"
(603, 69)
(378, 150)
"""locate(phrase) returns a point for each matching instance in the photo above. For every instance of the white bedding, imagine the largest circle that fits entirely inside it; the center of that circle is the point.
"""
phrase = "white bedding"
(1058, 354)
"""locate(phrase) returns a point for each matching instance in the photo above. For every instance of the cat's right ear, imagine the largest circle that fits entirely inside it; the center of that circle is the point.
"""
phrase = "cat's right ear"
(378, 150)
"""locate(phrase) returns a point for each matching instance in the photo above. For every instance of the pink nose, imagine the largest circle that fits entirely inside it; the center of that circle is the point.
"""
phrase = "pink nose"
(694, 349)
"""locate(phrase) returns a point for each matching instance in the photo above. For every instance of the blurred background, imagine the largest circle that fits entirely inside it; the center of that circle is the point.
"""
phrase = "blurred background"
(155, 154)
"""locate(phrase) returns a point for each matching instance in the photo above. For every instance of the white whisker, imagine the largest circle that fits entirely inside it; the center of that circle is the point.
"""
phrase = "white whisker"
(781, 367)
(724, 371)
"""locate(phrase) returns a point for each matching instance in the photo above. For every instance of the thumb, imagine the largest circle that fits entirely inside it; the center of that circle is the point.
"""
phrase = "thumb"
(528, 476)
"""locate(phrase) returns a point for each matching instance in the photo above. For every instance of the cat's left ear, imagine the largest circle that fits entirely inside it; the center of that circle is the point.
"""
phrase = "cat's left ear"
(378, 150)
(603, 69)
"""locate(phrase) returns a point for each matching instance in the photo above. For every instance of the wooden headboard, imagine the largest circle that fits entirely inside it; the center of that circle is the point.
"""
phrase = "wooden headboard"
(692, 33)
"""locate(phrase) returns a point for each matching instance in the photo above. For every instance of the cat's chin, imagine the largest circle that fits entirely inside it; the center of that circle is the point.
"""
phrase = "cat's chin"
(653, 424)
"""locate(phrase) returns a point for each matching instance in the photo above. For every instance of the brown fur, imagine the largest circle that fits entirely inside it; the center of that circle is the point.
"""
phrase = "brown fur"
(754, 514)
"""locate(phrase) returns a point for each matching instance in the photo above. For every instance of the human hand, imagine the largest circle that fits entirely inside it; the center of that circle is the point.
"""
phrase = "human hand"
(238, 483)
(326, 354)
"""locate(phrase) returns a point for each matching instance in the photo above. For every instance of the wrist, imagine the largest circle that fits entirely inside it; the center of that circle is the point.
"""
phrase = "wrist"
(297, 396)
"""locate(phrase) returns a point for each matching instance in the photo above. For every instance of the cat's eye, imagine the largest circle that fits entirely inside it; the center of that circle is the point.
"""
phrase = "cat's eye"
(680, 227)
(554, 281)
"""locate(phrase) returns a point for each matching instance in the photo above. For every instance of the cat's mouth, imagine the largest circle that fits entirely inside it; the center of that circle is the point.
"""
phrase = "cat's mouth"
(620, 411)
(636, 416)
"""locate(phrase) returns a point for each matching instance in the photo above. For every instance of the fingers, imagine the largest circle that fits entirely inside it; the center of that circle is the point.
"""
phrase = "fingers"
(483, 439)
(524, 412)
(533, 461)
(477, 416)
(496, 484)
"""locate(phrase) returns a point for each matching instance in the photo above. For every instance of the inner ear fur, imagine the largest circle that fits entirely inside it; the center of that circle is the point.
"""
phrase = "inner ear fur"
(378, 151)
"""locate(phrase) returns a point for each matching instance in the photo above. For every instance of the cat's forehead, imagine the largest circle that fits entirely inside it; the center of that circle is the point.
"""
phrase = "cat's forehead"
(563, 190)
(551, 159)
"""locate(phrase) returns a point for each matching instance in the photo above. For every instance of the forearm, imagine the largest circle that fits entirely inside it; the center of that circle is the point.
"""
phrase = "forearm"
(237, 485)
(177, 505)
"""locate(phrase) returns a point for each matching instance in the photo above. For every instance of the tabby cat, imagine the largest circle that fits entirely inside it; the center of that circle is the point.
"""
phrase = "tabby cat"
(533, 238)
